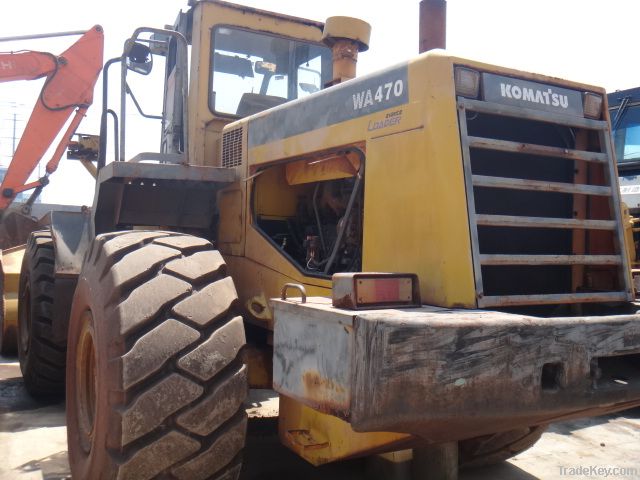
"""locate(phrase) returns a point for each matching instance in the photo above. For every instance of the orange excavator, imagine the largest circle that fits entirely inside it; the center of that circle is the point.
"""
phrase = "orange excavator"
(64, 99)
(67, 92)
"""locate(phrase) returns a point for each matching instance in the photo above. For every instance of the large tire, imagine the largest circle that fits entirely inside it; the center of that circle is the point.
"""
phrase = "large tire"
(497, 447)
(42, 351)
(155, 380)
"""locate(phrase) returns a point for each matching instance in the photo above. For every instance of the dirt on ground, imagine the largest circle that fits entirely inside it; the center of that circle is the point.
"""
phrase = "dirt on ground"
(33, 445)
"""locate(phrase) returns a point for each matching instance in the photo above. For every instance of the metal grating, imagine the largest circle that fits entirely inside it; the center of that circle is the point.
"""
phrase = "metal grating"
(544, 215)
(232, 148)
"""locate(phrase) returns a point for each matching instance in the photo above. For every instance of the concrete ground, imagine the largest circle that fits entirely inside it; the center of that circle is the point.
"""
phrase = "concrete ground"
(33, 446)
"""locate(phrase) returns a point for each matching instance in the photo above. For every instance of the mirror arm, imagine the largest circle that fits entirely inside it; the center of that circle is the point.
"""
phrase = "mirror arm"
(135, 102)
(182, 85)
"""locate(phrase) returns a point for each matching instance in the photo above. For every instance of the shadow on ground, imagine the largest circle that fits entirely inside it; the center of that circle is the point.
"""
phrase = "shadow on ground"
(503, 470)
(15, 401)
(53, 467)
(15, 398)
(265, 458)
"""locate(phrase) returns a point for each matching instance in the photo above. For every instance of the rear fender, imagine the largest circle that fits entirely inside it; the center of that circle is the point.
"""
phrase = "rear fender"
(71, 233)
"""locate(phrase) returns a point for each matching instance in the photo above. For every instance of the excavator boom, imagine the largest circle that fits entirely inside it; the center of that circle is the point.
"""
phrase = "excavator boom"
(68, 91)
(26, 65)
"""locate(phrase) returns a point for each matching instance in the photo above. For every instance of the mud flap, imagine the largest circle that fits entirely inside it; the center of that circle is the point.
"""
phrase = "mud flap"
(71, 233)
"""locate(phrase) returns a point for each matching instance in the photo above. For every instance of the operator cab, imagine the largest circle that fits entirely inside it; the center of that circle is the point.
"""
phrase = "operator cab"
(253, 71)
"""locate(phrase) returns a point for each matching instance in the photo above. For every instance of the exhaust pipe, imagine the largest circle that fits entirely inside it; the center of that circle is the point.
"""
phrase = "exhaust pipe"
(433, 25)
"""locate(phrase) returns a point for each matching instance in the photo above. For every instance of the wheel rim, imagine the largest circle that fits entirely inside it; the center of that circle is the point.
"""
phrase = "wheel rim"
(86, 382)
(24, 327)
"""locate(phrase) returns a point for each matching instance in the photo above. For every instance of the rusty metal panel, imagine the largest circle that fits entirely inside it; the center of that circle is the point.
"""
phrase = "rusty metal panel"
(451, 374)
(455, 374)
(312, 357)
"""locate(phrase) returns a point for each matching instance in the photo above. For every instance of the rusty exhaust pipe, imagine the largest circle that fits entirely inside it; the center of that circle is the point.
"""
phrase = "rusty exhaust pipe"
(433, 25)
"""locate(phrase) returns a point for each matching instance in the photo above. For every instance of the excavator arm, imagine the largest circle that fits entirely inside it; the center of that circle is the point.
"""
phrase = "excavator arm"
(67, 92)
(26, 65)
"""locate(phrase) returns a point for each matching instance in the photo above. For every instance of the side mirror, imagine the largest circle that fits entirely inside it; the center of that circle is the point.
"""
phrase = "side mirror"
(233, 65)
(139, 59)
(265, 68)
(308, 87)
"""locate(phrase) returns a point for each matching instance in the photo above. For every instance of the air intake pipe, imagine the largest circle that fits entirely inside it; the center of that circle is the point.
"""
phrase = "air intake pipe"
(346, 37)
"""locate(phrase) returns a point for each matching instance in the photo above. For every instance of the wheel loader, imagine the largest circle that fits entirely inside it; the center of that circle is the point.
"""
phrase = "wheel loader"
(623, 106)
(428, 258)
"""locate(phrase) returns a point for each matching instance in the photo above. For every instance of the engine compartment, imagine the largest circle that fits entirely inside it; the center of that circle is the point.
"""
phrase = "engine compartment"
(312, 211)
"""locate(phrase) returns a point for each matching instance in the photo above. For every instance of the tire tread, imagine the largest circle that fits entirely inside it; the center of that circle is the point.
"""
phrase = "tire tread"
(152, 279)
(43, 365)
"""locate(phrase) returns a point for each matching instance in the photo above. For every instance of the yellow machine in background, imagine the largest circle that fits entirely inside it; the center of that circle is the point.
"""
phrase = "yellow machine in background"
(623, 106)
(452, 230)
(630, 229)
(10, 275)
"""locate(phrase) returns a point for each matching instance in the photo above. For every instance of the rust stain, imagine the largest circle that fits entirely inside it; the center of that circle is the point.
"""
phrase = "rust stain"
(344, 302)
(305, 439)
(325, 395)
(315, 383)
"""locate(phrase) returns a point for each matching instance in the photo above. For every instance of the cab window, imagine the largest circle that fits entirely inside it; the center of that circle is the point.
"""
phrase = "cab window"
(254, 71)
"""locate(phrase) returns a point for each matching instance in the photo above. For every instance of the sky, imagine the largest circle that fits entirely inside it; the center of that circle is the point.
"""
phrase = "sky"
(581, 40)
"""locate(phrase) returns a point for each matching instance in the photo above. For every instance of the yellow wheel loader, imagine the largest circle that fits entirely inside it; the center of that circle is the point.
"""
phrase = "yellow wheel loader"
(428, 257)
(623, 109)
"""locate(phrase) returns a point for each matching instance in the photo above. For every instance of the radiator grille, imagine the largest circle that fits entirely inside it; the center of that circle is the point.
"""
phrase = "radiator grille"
(232, 148)
(543, 207)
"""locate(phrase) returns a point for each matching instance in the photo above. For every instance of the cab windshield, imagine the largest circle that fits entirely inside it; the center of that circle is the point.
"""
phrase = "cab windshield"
(626, 133)
(255, 71)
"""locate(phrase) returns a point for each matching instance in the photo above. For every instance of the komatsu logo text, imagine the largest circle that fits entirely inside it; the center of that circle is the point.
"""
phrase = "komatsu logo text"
(534, 95)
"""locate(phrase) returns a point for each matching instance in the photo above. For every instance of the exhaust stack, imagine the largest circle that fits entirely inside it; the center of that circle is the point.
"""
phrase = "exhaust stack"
(433, 25)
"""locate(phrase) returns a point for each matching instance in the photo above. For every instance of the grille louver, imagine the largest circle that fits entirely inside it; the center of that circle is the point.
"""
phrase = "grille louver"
(543, 207)
(232, 148)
